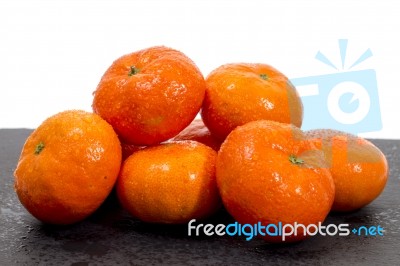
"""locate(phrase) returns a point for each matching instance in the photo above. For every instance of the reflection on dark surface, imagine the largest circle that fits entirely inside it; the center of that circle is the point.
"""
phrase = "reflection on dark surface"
(111, 236)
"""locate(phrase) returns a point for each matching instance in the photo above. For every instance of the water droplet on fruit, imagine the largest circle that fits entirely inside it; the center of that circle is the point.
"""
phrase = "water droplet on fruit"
(266, 103)
(192, 176)
(231, 86)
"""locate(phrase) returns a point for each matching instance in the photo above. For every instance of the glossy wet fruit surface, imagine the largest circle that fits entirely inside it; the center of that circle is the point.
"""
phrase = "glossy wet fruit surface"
(238, 93)
(67, 167)
(268, 172)
(358, 167)
(150, 95)
(170, 183)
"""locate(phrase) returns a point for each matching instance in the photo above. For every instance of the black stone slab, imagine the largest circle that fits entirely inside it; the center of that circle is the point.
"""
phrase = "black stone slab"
(112, 237)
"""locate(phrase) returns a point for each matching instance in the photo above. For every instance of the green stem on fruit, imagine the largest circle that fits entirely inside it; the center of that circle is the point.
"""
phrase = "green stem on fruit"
(264, 76)
(295, 160)
(134, 71)
(39, 148)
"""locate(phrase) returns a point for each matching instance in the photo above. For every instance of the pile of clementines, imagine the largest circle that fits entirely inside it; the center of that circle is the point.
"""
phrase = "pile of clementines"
(247, 152)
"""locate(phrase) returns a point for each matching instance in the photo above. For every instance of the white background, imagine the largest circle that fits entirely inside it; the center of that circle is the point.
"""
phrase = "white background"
(53, 53)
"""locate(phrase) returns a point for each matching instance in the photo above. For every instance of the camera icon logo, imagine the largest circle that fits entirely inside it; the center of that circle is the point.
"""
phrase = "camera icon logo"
(346, 101)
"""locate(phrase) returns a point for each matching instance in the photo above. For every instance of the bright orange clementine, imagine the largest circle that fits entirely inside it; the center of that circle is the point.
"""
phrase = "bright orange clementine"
(359, 169)
(150, 95)
(269, 172)
(67, 167)
(238, 93)
(170, 183)
(197, 131)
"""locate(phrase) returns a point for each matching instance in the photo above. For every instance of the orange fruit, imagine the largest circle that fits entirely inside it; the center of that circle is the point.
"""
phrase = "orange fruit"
(359, 169)
(199, 132)
(67, 167)
(238, 93)
(128, 149)
(150, 95)
(170, 183)
(269, 172)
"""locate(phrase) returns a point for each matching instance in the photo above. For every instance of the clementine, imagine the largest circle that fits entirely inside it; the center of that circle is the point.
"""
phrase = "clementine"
(199, 132)
(67, 167)
(238, 93)
(359, 169)
(269, 172)
(170, 183)
(150, 95)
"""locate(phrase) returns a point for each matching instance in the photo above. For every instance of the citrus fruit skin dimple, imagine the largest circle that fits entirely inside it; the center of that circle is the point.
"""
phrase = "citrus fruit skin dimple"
(170, 183)
(67, 167)
(150, 95)
(359, 169)
(238, 93)
(268, 172)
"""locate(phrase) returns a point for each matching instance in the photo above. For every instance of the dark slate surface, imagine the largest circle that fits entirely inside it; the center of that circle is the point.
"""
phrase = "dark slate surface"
(112, 237)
